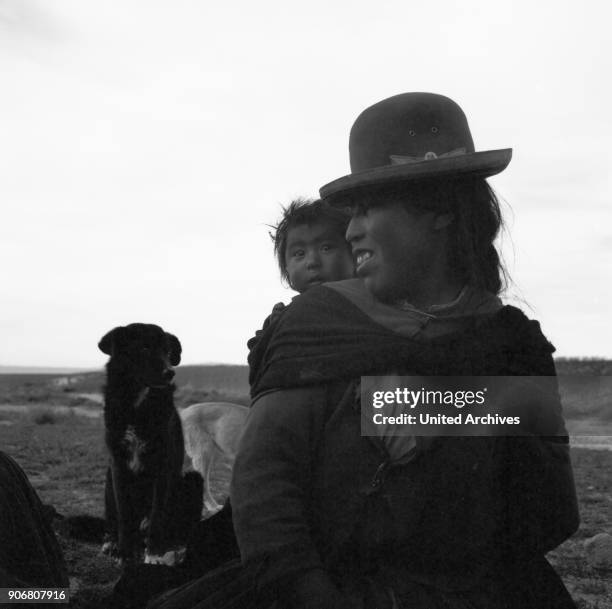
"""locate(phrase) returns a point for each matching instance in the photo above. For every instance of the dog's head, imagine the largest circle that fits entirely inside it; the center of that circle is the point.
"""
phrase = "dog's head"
(145, 351)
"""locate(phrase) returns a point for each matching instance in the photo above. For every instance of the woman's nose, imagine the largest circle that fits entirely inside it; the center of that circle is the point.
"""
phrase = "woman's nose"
(355, 229)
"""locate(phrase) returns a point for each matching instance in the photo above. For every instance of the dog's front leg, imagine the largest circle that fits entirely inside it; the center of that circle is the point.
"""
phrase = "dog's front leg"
(127, 532)
(156, 539)
(110, 516)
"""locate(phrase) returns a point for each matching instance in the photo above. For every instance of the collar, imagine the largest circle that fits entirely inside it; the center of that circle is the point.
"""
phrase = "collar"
(407, 320)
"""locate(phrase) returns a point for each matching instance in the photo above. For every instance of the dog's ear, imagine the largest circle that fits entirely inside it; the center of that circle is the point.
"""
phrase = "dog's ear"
(107, 342)
(175, 349)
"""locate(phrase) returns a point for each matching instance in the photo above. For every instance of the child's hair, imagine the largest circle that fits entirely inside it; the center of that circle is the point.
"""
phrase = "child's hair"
(299, 212)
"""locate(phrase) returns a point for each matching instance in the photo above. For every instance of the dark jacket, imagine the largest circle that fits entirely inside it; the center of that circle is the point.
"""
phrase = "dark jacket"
(311, 494)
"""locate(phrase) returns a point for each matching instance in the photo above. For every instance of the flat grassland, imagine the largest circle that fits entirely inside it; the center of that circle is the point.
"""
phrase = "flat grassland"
(52, 426)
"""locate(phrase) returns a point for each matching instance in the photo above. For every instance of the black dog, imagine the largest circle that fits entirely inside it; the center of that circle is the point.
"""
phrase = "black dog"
(144, 489)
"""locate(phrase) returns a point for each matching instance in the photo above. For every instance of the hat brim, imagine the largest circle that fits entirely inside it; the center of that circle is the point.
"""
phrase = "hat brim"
(477, 164)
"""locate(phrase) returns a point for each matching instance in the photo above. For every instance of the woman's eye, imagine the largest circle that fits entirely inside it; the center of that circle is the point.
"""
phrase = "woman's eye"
(298, 254)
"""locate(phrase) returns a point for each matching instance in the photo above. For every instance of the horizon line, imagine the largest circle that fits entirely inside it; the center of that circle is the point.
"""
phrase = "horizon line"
(25, 369)
(75, 369)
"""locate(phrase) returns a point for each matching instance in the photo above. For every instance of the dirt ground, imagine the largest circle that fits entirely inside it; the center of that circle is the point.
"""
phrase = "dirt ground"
(64, 457)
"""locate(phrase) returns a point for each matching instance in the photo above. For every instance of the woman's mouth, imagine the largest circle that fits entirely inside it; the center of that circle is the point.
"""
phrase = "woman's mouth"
(361, 259)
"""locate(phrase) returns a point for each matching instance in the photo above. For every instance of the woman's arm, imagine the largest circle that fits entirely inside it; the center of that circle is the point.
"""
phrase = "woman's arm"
(270, 496)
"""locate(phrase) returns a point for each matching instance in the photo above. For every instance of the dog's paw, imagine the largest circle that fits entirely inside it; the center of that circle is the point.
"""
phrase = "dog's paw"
(110, 548)
(171, 558)
(129, 554)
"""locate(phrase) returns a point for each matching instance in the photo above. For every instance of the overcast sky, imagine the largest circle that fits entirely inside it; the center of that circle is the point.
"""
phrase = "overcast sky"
(145, 145)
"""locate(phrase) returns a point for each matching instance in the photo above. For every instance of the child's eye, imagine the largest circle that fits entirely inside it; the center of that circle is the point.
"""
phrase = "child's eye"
(298, 254)
(327, 247)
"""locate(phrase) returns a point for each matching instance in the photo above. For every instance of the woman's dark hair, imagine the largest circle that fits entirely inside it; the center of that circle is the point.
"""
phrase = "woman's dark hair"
(477, 220)
(304, 212)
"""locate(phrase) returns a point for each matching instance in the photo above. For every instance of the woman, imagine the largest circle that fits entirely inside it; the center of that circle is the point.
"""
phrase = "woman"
(329, 518)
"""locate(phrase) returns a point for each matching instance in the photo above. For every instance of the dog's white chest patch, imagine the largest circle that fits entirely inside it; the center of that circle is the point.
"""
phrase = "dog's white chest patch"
(135, 447)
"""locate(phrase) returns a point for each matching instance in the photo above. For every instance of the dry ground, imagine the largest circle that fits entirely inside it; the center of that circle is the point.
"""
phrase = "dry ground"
(63, 455)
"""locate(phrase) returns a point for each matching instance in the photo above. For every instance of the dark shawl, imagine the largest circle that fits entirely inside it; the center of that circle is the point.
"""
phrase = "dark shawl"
(323, 337)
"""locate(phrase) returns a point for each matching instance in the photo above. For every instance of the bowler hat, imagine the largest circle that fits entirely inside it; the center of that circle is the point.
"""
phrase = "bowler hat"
(413, 136)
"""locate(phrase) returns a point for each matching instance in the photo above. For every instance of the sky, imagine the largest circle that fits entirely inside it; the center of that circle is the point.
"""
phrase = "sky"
(146, 145)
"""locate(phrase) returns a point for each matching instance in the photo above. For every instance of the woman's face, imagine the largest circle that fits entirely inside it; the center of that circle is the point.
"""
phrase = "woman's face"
(393, 249)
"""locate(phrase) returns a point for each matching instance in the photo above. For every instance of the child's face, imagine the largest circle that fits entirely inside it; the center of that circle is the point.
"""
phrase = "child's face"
(316, 253)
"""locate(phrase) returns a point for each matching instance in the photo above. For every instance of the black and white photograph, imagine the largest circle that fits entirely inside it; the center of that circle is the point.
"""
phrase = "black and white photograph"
(305, 305)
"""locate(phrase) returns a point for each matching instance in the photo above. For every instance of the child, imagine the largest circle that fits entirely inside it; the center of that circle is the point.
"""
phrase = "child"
(310, 248)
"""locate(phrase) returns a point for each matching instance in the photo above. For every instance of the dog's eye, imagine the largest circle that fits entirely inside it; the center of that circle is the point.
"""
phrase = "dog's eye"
(146, 350)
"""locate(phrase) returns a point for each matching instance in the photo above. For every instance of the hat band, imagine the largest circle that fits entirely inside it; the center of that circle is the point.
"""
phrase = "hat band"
(400, 159)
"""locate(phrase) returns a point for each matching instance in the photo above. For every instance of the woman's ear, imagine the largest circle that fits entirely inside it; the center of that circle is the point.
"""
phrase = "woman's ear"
(442, 221)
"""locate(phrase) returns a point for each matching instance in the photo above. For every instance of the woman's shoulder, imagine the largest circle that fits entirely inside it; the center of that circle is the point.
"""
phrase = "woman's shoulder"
(333, 295)
(512, 336)
(514, 322)
(335, 307)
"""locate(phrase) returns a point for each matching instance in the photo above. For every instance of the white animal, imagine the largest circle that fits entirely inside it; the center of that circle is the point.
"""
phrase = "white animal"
(212, 431)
